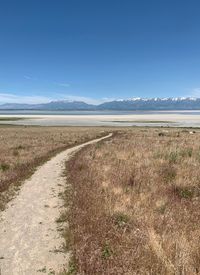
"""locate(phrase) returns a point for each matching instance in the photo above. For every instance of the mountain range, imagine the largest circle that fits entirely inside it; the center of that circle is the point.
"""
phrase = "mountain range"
(133, 104)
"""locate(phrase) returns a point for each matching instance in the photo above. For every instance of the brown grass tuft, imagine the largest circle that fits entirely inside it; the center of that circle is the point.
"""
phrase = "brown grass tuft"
(136, 205)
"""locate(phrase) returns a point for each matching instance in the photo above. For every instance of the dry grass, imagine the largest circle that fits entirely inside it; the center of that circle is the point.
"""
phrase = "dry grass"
(135, 204)
(24, 148)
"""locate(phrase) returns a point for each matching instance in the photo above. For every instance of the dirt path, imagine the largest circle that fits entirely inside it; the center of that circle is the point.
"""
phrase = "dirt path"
(29, 240)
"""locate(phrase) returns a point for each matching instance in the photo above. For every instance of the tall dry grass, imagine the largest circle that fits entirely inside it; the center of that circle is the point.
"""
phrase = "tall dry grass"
(24, 148)
(135, 204)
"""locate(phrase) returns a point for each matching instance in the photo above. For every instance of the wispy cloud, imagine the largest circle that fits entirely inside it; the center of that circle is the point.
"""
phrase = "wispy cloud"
(12, 98)
(195, 92)
(65, 85)
(88, 100)
(28, 77)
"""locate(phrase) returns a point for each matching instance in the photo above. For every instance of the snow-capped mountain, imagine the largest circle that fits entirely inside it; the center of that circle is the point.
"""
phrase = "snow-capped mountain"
(135, 103)
(163, 99)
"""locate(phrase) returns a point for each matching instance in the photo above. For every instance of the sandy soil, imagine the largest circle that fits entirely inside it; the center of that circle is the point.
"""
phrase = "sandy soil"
(29, 240)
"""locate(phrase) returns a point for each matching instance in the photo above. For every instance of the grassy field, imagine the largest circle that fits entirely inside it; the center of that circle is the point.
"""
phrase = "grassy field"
(24, 148)
(135, 204)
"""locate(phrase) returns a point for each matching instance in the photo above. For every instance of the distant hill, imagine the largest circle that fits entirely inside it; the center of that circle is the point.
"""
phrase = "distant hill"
(67, 105)
(18, 106)
(54, 105)
(180, 103)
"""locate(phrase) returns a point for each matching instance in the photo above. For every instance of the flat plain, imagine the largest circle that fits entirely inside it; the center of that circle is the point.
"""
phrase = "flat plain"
(107, 118)
(23, 148)
(131, 203)
(134, 204)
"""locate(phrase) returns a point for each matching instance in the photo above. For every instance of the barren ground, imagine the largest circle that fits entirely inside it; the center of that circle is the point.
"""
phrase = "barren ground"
(29, 239)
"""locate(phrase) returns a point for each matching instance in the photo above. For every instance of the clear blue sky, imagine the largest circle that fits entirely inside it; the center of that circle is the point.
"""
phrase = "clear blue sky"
(54, 49)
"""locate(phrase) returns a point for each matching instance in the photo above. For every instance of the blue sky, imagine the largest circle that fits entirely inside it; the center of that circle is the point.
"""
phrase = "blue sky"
(96, 50)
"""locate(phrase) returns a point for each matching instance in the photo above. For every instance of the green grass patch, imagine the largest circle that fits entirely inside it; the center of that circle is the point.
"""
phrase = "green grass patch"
(11, 118)
(106, 252)
(184, 192)
(168, 173)
(121, 220)
(4, 167)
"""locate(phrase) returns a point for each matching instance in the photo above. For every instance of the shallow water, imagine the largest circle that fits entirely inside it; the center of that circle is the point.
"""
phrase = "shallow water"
(46, 112)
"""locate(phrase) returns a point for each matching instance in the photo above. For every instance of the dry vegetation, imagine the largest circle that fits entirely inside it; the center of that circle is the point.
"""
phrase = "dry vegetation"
(135, 204)
(23, 148)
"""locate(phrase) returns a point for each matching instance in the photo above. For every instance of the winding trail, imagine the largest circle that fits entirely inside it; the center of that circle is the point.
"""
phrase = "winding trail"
(29, 240)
